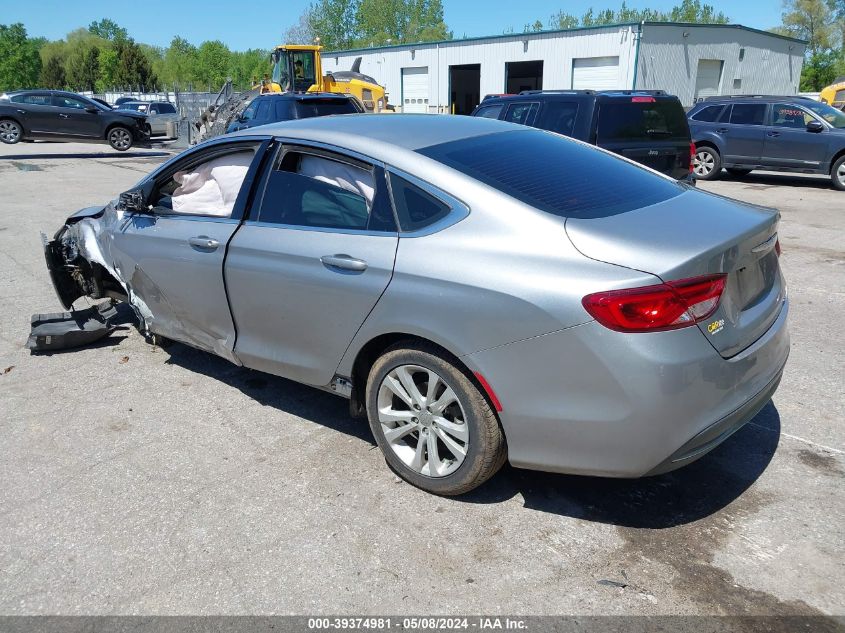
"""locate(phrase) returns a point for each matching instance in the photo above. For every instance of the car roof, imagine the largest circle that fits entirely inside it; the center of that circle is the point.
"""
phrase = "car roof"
(382, 136)
(753, 99)
(303, 96)
(576, 94)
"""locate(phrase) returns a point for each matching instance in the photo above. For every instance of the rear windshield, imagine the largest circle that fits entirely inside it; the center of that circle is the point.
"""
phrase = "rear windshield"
(313, 107)
(555, 174)
(638, 120)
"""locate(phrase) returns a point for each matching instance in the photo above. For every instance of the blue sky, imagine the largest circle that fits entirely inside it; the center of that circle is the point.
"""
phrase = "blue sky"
(260, 24)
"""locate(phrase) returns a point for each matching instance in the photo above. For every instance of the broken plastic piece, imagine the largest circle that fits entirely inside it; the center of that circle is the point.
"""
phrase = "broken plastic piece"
(66, 330)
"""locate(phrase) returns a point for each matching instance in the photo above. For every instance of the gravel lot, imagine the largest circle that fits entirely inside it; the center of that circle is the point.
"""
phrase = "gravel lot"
(140, 480)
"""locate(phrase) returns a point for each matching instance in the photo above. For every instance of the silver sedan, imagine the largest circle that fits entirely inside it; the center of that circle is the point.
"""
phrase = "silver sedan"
(480, 291)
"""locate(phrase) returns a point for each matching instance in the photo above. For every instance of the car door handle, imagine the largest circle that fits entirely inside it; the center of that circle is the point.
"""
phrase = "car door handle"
(204, 243)
(344, 262)
(723, 130)
(21, 111)
(63, 116)
(773, 134)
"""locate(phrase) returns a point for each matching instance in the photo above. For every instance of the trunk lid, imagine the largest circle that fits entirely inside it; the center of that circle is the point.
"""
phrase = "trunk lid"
(698, 234)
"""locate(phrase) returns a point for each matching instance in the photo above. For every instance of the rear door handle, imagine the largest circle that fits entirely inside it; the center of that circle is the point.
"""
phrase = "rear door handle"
(63, 116)
(775, 134)
(204, 243)
(344, 262)
(723, 130)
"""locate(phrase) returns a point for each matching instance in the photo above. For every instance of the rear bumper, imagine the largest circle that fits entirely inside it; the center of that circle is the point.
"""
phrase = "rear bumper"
(588, 400)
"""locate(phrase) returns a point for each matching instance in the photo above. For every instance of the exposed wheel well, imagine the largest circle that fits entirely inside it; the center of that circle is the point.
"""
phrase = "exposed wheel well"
(374, 348)
(114, 125)
(709, 144)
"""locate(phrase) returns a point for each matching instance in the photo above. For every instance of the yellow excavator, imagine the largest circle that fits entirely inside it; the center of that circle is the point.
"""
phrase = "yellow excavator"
(834, 94)
(296, 68)
(299, 68)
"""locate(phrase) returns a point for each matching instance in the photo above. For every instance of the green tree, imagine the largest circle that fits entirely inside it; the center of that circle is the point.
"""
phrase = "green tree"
(53, 74)
(133, 67)
(107, 65)
(82, 66)
(301, 32)
(817, 22)
(20, 61)
(563, 20)
(213, 64)
(334, 22)
(179, 63)
(108, 30)
(695, 12)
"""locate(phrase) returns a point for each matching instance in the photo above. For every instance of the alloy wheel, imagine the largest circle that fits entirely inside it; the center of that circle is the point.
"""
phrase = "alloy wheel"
(423, 420)
(10, 132)
(703, 163)
(840, 174)
(120, 139)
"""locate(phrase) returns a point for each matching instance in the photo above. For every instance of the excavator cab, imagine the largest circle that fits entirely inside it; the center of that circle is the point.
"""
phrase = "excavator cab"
(296, 69)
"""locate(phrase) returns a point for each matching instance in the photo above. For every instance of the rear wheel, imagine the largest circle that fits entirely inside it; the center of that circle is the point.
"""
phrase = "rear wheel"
(737, 172)
(435, 428)
(837, 174)
(120, 138)
(10, 131)
(706, 164)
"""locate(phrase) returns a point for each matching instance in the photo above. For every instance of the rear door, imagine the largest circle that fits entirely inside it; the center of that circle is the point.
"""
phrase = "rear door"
(523, 113)
(37, 113)
(172, 258)
(310, 263)
(650, 130)
(742, 130)
(789, 144)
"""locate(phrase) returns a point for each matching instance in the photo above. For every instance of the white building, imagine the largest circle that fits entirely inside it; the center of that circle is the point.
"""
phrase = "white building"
(692, 61)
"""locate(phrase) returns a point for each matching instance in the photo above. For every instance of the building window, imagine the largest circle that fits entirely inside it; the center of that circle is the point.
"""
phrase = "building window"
(737, 84)
(741, 54)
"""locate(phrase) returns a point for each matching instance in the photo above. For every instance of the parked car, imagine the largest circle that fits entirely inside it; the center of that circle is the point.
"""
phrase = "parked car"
(121, 100)
(564, 308)
(161, 115)
(66, 116)
(793, 134)
(102, 102)
(272, 108)
(648, 127)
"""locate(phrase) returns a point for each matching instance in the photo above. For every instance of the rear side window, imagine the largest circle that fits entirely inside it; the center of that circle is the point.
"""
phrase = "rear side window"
(283, 109)
(490, 112)
(650, 119)
(522, 113)
(312, 190)
(415, 208)
(748, 113)
(324, 107)
(166, 108)
(559, 116)
(709, 114)
(555, 174)
(42, 100)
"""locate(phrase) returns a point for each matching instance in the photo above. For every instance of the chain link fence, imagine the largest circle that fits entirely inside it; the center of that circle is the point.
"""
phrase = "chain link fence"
(190, 104)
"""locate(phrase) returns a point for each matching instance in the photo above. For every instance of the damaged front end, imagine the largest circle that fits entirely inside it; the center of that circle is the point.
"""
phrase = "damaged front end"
(75, 258)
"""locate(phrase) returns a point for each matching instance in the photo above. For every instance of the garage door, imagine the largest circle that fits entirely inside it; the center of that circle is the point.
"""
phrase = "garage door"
(415, 90)
(595, 73)
(708, 81)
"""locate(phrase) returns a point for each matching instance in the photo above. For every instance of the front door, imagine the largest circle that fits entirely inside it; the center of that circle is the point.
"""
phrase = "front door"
(172, 257)
(74, 119)
(788, 142)
(310, 263)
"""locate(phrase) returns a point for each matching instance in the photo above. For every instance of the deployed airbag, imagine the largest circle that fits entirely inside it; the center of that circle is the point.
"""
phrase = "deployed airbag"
(211, 188)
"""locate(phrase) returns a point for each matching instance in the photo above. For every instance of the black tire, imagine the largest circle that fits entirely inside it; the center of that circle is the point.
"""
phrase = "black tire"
(737, 172)
(486, 450)
(11, 131)
(707, 164)
(837, 174)
(120, 138)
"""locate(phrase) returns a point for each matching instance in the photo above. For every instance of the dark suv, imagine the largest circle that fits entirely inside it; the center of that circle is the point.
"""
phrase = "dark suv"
(67, 116)
(793, 134)
(284, 106)
(649, 127)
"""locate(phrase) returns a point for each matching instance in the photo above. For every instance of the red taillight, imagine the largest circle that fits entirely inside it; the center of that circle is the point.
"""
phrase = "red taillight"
(691, 157)
(777, 247)
(668, 306)
(643, 100)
